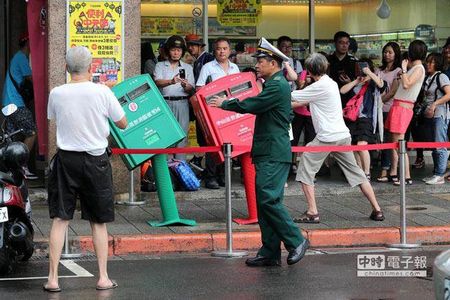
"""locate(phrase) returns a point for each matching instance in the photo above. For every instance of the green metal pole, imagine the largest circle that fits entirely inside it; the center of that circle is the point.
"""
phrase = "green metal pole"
(166, 195)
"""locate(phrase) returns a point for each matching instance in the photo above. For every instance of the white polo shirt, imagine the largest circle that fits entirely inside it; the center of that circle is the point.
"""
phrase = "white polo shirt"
(214, 69)
(163, 70)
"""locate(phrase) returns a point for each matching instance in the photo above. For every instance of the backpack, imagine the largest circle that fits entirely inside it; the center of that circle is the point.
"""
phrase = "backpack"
(184, 174)
(351, 109)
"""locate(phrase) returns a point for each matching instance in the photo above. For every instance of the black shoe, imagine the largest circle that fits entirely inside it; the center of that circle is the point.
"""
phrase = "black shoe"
(221, 181)
(297, 254)
(211, 184)
(262, 261)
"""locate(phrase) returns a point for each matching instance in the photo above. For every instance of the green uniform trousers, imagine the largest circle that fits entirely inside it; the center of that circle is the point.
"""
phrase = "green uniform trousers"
(274, 221)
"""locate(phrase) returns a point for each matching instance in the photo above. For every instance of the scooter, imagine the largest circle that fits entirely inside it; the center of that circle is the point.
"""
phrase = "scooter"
(16, 230)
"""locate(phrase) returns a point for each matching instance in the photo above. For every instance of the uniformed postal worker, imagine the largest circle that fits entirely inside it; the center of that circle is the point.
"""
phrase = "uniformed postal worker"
(271, 154)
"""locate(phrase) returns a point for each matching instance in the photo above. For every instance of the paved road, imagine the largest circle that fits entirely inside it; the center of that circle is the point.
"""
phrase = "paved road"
(323, 274)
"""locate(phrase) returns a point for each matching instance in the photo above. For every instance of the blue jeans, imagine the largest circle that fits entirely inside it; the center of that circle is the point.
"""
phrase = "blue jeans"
(440, 155)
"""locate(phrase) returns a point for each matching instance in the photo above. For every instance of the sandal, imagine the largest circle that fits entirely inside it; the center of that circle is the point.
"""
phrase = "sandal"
(368, 177)
(377, 215)
(408, 181)
(307, 218)
(383, 179)
(393, 178)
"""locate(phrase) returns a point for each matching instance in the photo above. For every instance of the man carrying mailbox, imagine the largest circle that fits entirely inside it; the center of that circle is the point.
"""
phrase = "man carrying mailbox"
(271, 154)
(175, 80)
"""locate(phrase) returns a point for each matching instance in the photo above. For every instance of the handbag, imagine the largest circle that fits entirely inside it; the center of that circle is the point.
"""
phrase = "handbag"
(351, 109)
(185, 175)
(25, 90)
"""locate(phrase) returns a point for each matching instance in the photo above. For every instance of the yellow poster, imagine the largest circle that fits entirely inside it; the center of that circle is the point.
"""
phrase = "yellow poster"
(239, 12)
(98, 26)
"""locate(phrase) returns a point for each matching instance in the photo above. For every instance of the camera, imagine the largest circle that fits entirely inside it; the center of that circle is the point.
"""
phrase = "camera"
(182, 73)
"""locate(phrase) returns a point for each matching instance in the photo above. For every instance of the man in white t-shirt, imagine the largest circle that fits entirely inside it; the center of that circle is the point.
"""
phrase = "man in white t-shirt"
(325, 105)
(81, 168)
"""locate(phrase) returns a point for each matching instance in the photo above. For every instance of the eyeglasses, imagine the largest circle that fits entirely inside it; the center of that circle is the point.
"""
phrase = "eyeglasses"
(286, 47)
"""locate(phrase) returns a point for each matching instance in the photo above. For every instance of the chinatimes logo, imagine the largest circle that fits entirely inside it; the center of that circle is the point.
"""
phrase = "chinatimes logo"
(379, 265)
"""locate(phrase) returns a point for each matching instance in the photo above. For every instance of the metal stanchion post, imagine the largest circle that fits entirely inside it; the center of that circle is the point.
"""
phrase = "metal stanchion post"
(227, 149)
(402, 167)
(131, 194)
(66, 254)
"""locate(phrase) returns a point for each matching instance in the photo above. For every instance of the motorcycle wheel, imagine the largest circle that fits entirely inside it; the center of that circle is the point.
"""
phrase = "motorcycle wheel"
(28, 254)
(5, 261)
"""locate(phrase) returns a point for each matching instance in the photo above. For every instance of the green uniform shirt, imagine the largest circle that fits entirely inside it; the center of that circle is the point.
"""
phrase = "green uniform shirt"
(273, 111)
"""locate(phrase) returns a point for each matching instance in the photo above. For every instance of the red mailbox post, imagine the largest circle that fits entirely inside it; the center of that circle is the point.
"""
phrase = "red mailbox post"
(221, 126)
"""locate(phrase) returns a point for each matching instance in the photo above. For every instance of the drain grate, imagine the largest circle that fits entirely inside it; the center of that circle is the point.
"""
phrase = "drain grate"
(44, 257)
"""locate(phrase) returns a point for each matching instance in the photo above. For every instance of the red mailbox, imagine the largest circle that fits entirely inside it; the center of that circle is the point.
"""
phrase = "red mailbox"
(221, 126)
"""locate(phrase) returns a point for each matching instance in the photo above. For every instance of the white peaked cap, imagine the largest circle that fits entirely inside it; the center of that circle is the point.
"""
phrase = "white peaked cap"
(267, 49)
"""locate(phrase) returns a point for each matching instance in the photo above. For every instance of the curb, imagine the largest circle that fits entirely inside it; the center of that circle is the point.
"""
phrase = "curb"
(207, 242)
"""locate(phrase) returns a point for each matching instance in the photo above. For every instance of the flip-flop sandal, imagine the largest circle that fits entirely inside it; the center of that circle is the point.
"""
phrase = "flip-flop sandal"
(383, 179)
(52, 290)
(110, 287)
(307, 218)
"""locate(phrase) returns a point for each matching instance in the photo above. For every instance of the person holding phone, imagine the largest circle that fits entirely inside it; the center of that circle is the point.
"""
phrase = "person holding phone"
(175, 80)
(342, 64)
(363, 129)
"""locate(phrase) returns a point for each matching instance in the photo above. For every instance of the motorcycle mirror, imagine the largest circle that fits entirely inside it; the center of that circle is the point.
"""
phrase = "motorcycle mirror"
(9, 109)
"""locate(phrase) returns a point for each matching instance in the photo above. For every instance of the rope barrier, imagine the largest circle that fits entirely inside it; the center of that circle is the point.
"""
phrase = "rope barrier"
(248, 148)
(418, 145)
(346, 148)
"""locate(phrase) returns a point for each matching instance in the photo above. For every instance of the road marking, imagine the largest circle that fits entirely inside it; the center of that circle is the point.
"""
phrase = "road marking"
(73, 267)
(76, 268)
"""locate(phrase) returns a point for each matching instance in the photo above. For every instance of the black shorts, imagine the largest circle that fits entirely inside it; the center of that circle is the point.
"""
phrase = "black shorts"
(21, 119)
(362, 131)
(79, 174)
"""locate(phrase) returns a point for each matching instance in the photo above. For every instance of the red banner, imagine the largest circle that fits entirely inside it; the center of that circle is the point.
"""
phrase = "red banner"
(37, 31)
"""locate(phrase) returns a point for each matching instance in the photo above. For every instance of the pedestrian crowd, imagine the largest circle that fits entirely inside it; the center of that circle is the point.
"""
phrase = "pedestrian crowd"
(329, 99)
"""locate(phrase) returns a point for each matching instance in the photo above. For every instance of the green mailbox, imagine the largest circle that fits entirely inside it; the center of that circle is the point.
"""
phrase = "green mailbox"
(151, 123)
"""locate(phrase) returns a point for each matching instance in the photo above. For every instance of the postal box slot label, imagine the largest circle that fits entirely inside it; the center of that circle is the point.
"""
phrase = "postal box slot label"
(139, 91)
(238, 89)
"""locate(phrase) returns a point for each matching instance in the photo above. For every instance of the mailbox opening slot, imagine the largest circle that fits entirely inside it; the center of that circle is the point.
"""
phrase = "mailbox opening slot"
(138, 91)
(237, 89)
(220, 94)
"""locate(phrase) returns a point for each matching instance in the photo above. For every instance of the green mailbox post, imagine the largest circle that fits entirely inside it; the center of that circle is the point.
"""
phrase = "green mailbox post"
(151, 125)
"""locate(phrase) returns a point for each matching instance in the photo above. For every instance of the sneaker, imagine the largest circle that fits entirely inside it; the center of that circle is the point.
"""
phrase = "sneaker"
(28, 175)
(196, 163)
(427, 178)
(436, 180)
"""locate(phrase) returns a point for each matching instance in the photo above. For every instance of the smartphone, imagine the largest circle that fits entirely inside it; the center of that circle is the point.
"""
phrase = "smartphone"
(182, 73)
(359, 68)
